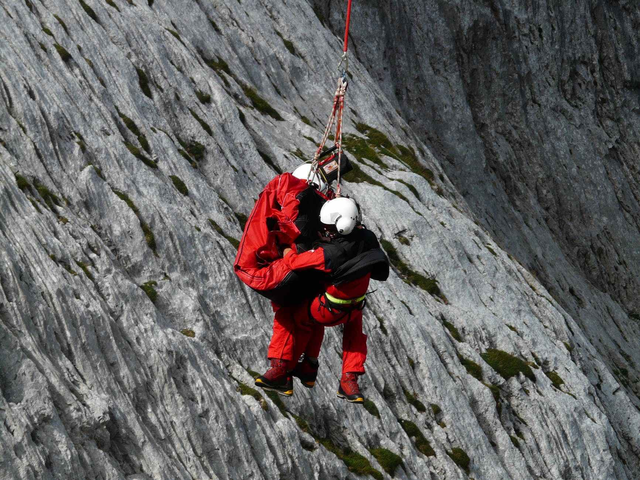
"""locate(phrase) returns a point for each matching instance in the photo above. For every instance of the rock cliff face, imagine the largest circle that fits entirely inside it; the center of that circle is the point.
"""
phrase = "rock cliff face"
(495, 157)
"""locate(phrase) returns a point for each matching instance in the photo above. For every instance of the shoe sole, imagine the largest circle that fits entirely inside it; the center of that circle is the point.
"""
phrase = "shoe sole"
(264, 386)
(355, 400)
(307, 384)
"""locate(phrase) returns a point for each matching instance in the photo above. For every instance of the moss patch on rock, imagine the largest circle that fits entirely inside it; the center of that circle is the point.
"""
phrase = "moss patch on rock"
(135, 151)
(64, 54)
(143, 81)
(452, 330)
(148, 233)
(388, 460)
(555, 379)
(218, 229)
(422, 444)
(260, 103)
(179, 184)
(411, 398)
(507, 365)
(89, 11)
(51, 200)
(472, 367)
(355, 462)
(148, 288)
(205, 126)
(370, 407)
(203, 97)
(429, 285)
(460, 458)
(252, 392)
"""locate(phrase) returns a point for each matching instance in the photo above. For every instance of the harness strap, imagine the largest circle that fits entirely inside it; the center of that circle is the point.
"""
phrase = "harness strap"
(343, 301)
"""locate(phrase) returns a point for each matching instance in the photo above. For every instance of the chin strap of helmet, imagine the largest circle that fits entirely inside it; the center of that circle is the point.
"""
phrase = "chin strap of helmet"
(338, 106)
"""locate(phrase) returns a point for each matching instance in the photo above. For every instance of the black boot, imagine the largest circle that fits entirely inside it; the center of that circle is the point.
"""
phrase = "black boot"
(306, 371)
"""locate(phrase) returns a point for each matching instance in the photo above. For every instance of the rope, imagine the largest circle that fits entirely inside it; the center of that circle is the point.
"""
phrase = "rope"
(338, 107)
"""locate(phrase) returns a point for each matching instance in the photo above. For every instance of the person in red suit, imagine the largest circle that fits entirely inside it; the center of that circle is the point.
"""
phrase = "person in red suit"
(348, 255)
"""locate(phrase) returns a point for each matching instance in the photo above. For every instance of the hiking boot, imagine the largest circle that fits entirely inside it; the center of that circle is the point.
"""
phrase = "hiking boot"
(306, 371)
(277, 378)
(349, 389)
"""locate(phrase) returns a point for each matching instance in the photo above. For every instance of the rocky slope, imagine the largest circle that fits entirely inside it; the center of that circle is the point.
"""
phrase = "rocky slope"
(532, 110)
(134, 138)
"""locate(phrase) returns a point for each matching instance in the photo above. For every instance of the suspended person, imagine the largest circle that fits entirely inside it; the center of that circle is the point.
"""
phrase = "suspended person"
(349, 255)
(286, 216)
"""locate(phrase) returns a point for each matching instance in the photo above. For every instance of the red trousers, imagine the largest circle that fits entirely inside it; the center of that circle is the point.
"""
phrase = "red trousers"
(300, 329)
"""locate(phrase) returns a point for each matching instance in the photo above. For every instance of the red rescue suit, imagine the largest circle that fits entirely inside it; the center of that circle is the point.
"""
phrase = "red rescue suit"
(285, 212)
(351, 261)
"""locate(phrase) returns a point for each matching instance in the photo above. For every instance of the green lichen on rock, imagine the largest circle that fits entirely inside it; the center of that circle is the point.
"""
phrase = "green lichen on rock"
(275, 398)
(411, 398)
(143, 81)
(61, 22)
(242, 219)
(429, 285)
(203, 97)
(359, 148)
(472, 367)
(135, 151)
(50, 198)
(252, 392)
(192, 151)
(179, 184)
(64, 54)
(85, 268)
(375, 136)
(288, 44)
(133, 128)
(269, 161)
(89, 11)
(205, 126)
(219, 66)
(460, 458)
(112, 4)
(148, 233)
(355, 462)
(187, 332)
(422, 444)
(452, 330)
(148, 288)
(435, 408)
(23, 183)
(388, 460)
(218, 229)
(370, 407)
(555, 379)
(507, 365)
(260, 103)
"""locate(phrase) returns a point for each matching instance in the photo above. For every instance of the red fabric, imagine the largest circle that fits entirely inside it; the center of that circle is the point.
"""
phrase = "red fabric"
(353, 289)
(281, 345)
(257, 262)
(306, 323)
(304, 261)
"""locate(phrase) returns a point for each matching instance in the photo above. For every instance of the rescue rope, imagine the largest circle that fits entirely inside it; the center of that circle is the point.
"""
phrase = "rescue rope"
(338, 108)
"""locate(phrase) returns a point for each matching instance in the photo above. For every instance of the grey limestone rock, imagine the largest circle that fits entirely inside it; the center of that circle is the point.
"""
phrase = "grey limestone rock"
(135, 137)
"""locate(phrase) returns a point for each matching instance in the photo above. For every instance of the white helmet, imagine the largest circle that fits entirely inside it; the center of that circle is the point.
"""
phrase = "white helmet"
(341, 212)
(303, 172)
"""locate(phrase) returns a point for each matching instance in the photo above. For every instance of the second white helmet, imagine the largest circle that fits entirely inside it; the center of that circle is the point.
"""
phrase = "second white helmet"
(303, 172)
(341, 212)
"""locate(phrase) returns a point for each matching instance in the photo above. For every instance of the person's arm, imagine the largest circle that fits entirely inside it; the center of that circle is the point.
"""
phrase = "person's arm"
(312, 259)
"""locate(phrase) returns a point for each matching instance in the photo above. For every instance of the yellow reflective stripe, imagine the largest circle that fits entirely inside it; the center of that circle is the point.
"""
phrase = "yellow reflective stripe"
(342, 301)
